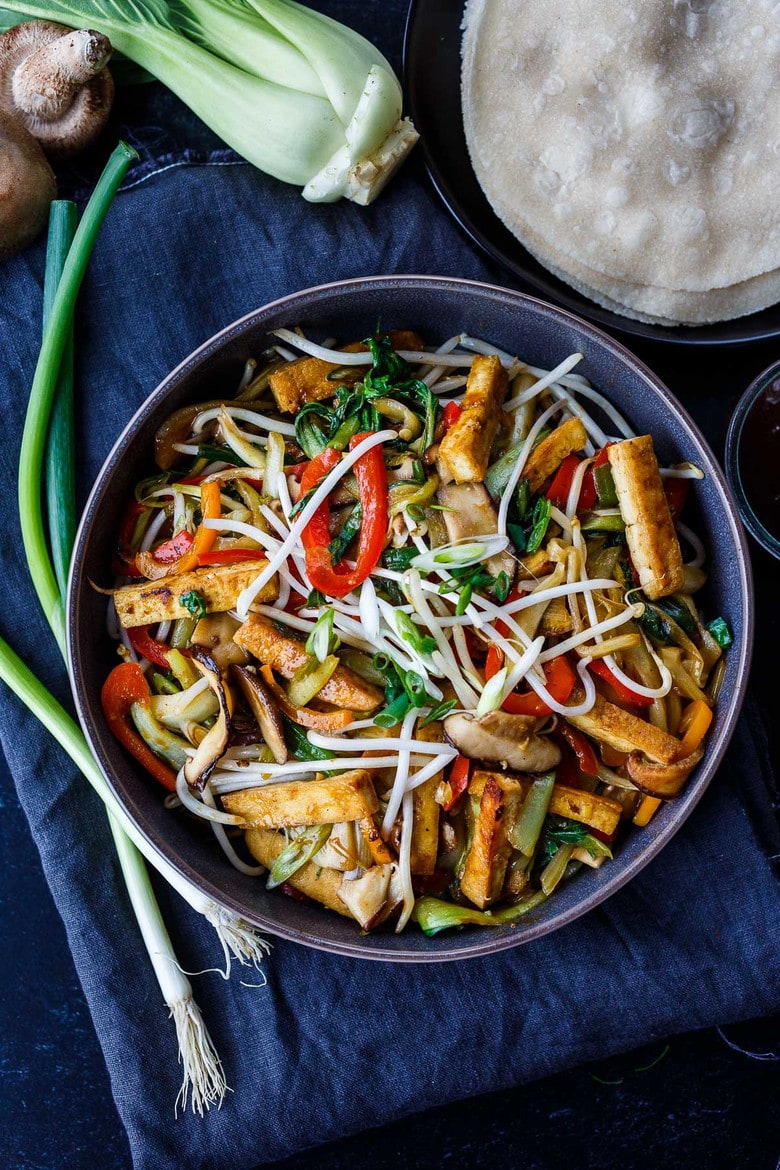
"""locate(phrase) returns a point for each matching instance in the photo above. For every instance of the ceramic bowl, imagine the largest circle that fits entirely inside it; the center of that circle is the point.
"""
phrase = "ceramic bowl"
(437, 308)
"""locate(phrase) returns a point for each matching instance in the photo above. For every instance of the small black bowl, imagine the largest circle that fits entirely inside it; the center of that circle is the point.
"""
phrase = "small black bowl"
(752, 455)
(437, 308)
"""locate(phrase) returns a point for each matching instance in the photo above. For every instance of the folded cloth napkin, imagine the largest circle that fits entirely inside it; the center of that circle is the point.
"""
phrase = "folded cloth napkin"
(328, 1045)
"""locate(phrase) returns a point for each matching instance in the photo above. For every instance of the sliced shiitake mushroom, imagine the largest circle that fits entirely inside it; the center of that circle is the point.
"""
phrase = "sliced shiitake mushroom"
(262, 704)
(214, 744)
(502, 738)
(662, 780)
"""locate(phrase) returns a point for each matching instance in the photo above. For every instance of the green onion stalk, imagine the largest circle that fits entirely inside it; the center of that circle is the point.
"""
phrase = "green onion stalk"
(67, 257)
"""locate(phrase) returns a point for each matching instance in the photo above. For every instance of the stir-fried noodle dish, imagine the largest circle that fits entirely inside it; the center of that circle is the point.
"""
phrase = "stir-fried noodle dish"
(413, 628)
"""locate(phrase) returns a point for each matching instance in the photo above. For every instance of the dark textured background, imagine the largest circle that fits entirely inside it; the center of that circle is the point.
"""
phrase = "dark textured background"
(690, 1100)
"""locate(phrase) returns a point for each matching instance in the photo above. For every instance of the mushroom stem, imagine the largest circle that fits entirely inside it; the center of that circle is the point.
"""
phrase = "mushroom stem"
(45, 83)
(55, 82)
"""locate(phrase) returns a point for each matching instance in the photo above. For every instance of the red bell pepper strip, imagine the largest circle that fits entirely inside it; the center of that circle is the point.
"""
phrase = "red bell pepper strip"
(450, 414)
(124, 560)
(579, 744)
(588, 494)
(558, 491)
(371, 476)
(458, 780)
(676, 491)
(599, 667)
(169, 552)
(147, 646)
(559, 680)
(125, 686)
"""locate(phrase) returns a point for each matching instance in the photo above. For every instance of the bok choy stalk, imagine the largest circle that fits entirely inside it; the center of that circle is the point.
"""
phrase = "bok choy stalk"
(299, 95)
(66, 262)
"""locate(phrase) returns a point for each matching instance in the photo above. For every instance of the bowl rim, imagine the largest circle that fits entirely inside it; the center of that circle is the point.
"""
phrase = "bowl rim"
(742, 410)
(487, 942)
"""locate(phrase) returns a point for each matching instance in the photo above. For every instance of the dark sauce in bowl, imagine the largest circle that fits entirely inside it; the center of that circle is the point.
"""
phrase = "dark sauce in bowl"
(753, 458)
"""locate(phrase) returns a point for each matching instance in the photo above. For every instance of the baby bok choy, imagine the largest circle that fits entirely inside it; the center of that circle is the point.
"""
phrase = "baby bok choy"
(299, 95)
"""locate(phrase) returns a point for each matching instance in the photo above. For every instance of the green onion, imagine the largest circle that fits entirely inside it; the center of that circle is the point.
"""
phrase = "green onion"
(539, 524)
(422, 644)
(434, 915)
(394, 712)
(53, 347)
(438, 712)
(720, 631)
(492, 692)
(203, 1076)
(525, 831)
(502, 586)
(300, 96)
(300, 850)
(60, 471)
(555, 869)
(322, 641)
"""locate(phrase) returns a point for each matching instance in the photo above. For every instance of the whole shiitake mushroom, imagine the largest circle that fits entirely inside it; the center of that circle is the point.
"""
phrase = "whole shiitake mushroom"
(55, 98)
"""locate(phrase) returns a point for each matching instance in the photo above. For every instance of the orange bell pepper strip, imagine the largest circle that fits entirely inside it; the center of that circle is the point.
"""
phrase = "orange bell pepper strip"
(125, 686)
(694, 725)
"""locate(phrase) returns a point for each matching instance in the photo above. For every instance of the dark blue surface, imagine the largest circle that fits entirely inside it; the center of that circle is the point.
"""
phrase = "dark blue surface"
(319, 1053)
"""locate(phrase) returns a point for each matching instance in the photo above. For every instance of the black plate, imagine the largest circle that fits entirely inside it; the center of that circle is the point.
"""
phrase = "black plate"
(432, 82)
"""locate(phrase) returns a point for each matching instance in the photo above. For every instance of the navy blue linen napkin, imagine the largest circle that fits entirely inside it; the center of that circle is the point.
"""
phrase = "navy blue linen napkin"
(330, 1045)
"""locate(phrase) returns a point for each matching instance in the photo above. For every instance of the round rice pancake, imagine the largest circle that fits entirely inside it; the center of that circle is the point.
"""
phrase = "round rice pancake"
(639, 144)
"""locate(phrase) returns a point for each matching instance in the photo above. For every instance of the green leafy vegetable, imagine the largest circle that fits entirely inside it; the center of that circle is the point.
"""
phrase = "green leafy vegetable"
(434, 915)
(349, 530)
(720, 631)
(194, 603)
(298, 743)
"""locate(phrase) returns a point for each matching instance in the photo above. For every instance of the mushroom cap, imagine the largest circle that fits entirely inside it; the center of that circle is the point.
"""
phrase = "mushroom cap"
(55, 80)
(27, 187)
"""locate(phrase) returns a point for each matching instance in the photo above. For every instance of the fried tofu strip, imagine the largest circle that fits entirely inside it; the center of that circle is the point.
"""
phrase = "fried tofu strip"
(652, 540)
(547, 456)
(488, 856)
(219, 587)
(597, 812)
(306, 379)
(465, 449)
(625, 732)
(316, 881)
(649, 528)
(425, 811)
(344, 688)
(349, 797)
